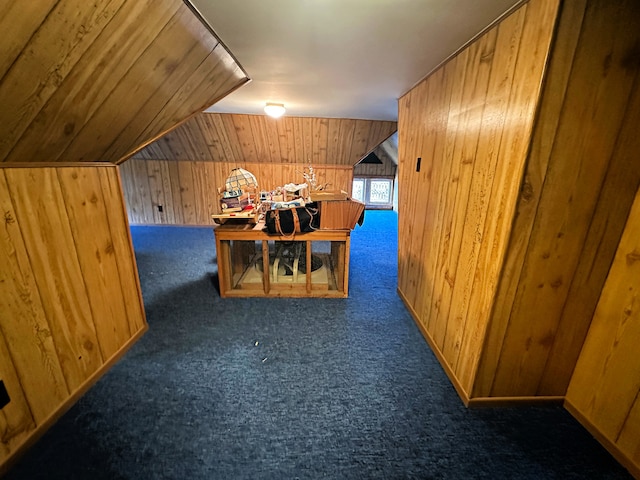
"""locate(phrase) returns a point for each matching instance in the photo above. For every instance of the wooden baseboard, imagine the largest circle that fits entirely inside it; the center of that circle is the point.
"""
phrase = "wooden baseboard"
(464, 396)
(477, 402)
(612, 448)
(41, 429)
(484, 402)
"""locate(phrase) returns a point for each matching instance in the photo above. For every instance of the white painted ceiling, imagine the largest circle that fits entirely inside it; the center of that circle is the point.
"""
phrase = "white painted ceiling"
(340, 58)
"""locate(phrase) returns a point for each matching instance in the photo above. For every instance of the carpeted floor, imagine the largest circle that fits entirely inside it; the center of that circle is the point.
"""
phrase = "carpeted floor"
(293, 388)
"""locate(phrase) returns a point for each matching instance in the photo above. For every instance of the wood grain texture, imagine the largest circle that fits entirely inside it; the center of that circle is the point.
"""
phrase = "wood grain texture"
(42, 215)
(70, 299)
(605, 385)
(221, 137)
(98, 81)
(470, 123)
(188, 190)
(388, 168)
(611, 211)
(16, 421)
(551, 103)
(25, 326)
(574, 205)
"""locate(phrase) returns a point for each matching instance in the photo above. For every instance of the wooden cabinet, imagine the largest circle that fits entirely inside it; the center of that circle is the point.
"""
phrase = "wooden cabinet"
(252, 263)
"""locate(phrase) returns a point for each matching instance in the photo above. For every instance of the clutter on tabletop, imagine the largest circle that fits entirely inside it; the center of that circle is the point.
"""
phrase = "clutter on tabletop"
(241, 192)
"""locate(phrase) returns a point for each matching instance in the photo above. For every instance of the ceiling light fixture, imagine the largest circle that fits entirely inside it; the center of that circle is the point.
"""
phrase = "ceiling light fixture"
(275, 110)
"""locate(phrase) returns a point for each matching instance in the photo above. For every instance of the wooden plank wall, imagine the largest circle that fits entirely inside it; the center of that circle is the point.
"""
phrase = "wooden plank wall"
(70, 301)
(581, 178)
(183, 170)
(222, 137)
(470, 124)
(386, 169)
(95, 81)
(604, 393)
(187, 190)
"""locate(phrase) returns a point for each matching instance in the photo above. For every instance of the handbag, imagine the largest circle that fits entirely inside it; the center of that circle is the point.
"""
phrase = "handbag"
(289, 221)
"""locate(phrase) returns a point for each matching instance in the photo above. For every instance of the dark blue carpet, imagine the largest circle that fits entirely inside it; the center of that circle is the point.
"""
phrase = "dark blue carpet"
(293, 388)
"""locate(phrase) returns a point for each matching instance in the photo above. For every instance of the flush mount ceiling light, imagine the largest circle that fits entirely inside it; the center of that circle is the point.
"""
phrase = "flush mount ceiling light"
(274, 110)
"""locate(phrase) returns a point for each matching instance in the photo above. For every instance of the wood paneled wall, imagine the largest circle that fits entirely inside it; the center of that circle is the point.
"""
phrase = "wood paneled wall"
(70, 302)
(82, 82)
(221, 137)
(581, 178)
(604, 392)
(94, 81)
(385, 169)
(183, 170)
(188, 190)
(521, 201)
(470, 125)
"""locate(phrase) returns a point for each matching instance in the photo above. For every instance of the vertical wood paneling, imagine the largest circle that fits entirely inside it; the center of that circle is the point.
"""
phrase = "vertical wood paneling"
(220, 137)
(120, 243)
(431, 149)
(551, 106)
(470, 122)
(406, 186)
(614, 201)
(16, 421)
(139, 193)
(187, 190)
(515, 138)
(605, 385)
(387, 168)
(285, 139)
(627, 441)
(86, 208)
(156, 190)
(33, 356)
(42, 215)
(274, 139)
(333, 135)
(192, 187)
(574, 233)
(70, 299)
(209, 146)
(469, 204)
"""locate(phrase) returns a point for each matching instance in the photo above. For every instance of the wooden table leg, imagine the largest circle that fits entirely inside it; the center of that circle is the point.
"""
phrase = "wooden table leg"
(265, 267)
(308, 259)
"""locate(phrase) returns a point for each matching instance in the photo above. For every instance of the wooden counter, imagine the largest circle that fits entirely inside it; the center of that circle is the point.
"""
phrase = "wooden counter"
(254, 263)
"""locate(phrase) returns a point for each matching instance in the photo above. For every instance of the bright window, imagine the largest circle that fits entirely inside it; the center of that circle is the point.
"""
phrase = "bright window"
(373, 192)
(357, 192)
(380, 191)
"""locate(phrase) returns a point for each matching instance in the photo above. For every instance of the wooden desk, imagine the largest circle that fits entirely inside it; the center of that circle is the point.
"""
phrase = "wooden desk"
(253, 263)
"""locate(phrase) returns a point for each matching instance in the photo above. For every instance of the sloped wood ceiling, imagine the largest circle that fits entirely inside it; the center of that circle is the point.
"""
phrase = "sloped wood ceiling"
(95, 81)
(219, 137)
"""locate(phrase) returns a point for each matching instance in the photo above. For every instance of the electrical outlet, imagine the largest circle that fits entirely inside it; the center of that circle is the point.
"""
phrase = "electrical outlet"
(4, 395)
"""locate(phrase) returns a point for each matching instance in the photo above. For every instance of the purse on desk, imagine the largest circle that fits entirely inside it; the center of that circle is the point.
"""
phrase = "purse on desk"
(289, 221)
